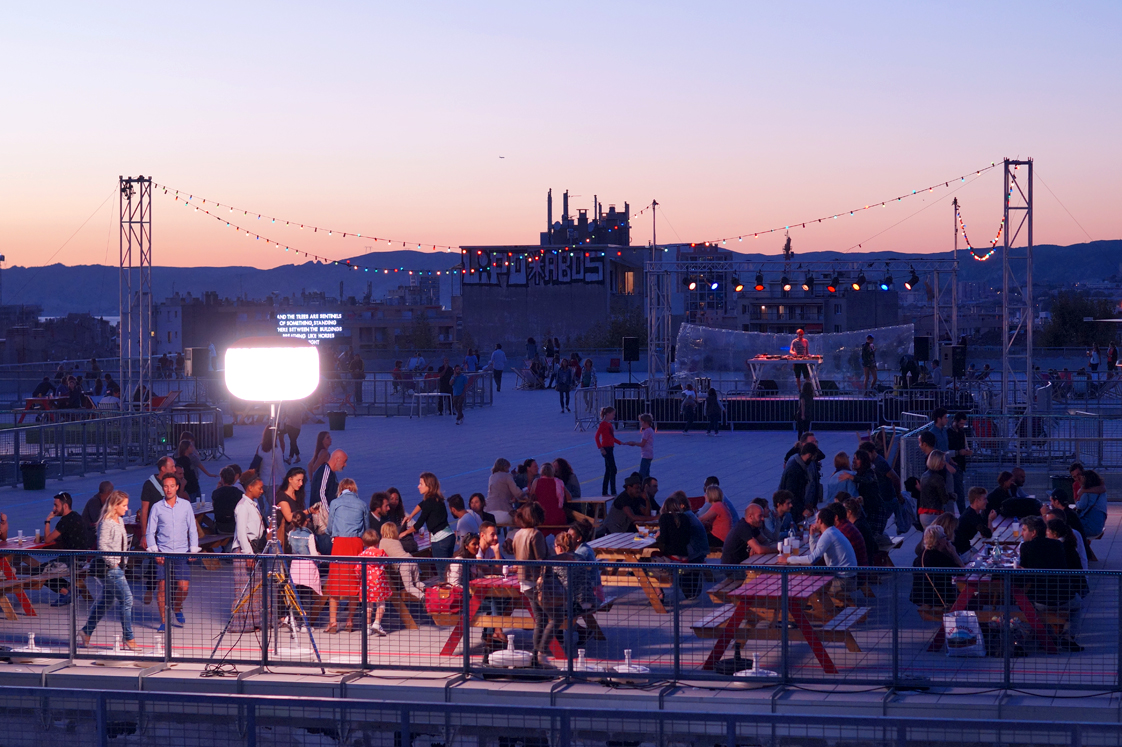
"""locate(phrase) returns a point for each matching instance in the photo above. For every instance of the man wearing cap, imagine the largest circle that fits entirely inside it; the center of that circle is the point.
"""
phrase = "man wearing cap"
(628, 508)
(800, 348)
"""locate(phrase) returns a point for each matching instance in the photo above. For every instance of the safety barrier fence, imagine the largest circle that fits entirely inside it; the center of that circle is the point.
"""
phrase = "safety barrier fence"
(50, 715)
(653, 622)
(66, 449)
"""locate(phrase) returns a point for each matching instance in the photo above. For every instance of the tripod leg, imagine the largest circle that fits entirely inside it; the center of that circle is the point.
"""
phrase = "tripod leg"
(246, 595)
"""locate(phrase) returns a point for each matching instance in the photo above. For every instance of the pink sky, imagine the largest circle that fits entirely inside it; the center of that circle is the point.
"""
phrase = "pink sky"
(391, 122)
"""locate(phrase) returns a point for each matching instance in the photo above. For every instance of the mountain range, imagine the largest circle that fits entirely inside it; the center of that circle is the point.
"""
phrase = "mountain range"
(61, 289)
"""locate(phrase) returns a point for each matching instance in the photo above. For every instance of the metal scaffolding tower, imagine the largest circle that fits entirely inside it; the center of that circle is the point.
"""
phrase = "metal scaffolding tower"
(136, 290)
(1016, 291)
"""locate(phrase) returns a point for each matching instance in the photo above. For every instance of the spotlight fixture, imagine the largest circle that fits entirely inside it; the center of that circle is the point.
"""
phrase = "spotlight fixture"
(912, 281)
(759, 281)
(808, 283)
(736, 284)
(785, 283)
(690, 283)
(886, 283)
(832, 287)
(859, 283)
(714, 285)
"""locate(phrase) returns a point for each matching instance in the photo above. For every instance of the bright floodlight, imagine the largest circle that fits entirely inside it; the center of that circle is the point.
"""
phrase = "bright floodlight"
(271, 369)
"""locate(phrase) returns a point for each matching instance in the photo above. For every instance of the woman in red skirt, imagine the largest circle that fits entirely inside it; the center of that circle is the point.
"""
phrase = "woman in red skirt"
(350, 517)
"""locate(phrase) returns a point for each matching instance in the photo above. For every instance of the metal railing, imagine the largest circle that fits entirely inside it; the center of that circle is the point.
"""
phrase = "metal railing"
(39, 715)
(66, 449)
(655, 622)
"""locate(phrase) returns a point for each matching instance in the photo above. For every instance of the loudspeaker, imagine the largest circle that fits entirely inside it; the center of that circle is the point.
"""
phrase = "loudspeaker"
(767, 386)
(196, 361)
(922, 347)
(954, 361)
(631, 349)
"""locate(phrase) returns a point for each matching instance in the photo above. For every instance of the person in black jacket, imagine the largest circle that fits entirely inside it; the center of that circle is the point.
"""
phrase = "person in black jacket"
(1001, 493)
(800, 476)
(976, 519)
(1047, 591)
(957, 448)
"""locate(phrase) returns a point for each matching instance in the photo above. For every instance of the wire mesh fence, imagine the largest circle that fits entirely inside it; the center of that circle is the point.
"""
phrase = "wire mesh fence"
(983, 625)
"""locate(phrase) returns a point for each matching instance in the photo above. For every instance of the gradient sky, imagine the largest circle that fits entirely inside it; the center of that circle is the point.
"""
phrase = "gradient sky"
(390, 119)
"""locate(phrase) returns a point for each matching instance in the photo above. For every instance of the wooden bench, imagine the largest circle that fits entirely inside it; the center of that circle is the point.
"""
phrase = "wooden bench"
(720, 593)
(207, 545)
(24, 583)
(836, 630)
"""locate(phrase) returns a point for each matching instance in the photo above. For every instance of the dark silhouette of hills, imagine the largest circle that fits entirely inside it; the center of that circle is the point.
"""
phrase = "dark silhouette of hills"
(60, 289)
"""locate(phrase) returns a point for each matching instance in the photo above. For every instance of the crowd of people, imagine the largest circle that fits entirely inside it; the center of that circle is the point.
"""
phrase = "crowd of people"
(527, 512)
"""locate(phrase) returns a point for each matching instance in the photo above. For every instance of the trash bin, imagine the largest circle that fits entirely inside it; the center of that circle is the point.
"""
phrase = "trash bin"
(1066, 484)
(34, 475)
(337, 421)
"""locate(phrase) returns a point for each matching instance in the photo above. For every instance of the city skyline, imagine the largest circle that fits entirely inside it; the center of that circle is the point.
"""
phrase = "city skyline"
(446, 126)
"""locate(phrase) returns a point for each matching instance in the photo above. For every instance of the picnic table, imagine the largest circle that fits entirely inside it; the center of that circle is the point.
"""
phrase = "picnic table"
(760, 599)
(15, 585)
(496, 587)
(625, 547)
(595, 507)
(989, 591)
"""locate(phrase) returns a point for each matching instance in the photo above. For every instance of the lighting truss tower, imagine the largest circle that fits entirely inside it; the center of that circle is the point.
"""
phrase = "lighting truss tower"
(659, 342)
(136, 288)
(1016, 291)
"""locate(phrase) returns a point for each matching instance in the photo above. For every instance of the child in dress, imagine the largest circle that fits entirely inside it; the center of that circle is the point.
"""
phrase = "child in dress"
(305, 573)
(377, 585)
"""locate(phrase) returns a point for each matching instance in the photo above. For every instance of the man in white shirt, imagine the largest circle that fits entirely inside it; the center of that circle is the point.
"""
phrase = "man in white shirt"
(498, 365)
(250, 530)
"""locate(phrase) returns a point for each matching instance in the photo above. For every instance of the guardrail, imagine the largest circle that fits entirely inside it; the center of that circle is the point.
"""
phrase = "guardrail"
(658, 621)
(77, 448)
(37, 714)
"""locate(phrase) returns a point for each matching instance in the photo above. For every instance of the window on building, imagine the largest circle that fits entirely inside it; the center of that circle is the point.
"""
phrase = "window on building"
(169, 336)
(365, 335)
(837, 308)
(625, 283)
(837, 328)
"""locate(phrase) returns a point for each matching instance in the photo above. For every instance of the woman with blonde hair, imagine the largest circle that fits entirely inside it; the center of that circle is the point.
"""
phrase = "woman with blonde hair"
(933, 495)
(934, 588)
(348, 521)
(503, 494)
(112, 538)
(432, 513)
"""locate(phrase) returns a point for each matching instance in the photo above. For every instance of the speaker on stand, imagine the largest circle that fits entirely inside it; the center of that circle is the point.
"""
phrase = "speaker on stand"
(921, 344)
(630, 353)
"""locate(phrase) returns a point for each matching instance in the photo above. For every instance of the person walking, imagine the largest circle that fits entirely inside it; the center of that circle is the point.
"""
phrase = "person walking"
(172, 529)
(358, 373)
(498, 365)
(112, 538)
(804, 409)
(444, 387)
(689, 406)
(458, 389)
(1093, 358)
(534, 581)
(713, 410)
(1111, 360)
(564, 385)
(606, 441)
(249, 540)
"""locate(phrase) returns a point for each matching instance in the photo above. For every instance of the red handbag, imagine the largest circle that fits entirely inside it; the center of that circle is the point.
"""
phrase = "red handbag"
(444, 600)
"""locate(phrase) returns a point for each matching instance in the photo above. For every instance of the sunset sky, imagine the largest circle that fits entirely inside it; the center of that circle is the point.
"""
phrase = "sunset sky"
(447, 122)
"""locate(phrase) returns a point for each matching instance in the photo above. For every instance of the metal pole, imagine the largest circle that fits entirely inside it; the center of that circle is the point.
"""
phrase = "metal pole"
(1029, 389)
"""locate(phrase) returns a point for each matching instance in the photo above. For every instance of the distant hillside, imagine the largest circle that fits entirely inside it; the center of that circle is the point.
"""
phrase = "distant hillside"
(60, 289)
(1062, 265)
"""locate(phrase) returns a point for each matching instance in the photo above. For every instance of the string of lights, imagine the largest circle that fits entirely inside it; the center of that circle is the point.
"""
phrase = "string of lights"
(883, 203)
(233, 210)
(1000, 228)
(344, 263)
